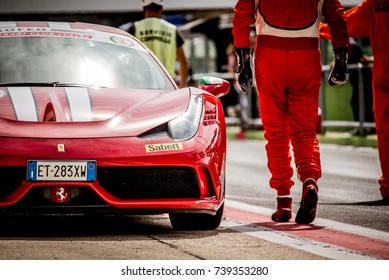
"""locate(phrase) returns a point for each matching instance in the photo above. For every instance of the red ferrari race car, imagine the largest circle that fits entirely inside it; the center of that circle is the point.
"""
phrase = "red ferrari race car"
(90, 121)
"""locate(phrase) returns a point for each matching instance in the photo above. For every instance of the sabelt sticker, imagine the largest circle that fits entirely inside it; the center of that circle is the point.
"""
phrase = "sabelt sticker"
(152, 148)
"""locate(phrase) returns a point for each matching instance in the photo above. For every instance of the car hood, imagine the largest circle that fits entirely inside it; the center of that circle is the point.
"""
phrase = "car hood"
(76, 112)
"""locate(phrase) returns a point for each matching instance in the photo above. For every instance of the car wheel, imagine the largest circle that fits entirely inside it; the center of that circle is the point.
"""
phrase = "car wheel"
(197, 221)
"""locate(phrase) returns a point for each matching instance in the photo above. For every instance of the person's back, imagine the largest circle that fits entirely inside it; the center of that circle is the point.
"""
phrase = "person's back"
(288, 78)
(160, 37)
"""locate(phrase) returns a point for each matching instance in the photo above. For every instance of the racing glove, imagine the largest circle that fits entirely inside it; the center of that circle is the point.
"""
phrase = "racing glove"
(245, 73)
(339, 73)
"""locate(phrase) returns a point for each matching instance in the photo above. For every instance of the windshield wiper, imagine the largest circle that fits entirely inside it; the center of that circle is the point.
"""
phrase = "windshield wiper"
(49, 84)
(33, 84)
(78, 85)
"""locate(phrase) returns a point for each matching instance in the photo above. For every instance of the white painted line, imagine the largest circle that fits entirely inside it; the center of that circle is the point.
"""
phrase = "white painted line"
(358, 230)
(303, 244)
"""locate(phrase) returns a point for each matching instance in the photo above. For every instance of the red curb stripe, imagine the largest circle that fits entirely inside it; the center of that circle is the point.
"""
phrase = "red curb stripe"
(369, 246)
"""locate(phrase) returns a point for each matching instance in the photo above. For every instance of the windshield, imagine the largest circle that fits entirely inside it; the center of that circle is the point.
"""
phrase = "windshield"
(72, 61)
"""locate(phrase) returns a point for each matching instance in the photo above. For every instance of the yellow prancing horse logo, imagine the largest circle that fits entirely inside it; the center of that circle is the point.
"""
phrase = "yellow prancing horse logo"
(61, 148)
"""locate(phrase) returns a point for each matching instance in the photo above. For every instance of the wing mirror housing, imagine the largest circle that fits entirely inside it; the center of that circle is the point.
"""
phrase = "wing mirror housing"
(216, 86)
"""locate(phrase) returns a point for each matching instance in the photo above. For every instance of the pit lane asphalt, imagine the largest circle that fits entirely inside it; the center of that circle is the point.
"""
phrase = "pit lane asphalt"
(134, 238)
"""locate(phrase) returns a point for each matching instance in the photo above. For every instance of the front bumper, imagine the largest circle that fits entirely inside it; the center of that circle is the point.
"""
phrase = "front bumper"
(129, 179)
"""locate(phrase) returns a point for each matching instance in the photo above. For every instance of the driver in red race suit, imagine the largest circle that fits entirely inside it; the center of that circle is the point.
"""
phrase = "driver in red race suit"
(288, 76)
(371, 18)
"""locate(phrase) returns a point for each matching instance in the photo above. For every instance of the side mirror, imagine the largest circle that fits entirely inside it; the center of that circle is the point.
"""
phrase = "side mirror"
(216, 86)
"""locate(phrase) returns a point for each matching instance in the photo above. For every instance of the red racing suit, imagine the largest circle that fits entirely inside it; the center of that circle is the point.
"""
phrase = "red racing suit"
(288, 77)
(371, 18)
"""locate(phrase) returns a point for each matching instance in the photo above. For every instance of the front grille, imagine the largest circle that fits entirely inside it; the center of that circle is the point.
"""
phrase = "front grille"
(121, 182)
(149, 182)
(10, 179)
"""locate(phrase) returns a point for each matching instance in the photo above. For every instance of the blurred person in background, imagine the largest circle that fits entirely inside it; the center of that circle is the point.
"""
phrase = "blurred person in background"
(288, 78)
(242, 108)
(355, 56)
(371, 18)
(162, 38)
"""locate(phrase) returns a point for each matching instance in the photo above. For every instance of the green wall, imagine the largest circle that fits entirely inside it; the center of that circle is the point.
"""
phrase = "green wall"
(337, 103)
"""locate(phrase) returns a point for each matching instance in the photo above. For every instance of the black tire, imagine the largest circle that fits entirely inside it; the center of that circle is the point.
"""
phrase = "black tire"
(197, 221)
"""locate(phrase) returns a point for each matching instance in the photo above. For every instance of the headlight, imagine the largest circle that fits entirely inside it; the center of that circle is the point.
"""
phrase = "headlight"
(185, 126)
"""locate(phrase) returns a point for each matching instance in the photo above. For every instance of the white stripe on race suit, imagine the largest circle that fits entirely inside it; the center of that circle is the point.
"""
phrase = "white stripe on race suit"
(59, 25)
(23, 103)
(79, 103)
(263, 28)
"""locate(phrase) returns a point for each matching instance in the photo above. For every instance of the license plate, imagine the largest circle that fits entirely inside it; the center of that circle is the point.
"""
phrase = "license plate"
(46, 170)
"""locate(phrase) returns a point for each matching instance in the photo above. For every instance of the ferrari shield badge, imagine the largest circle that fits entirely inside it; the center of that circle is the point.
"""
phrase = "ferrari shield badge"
(61, 148)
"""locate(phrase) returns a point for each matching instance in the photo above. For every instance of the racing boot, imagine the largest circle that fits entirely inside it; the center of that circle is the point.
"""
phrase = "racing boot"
(307, 212)
(284, 210)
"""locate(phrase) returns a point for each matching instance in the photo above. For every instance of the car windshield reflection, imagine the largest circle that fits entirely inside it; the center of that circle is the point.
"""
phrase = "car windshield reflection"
(72, 61)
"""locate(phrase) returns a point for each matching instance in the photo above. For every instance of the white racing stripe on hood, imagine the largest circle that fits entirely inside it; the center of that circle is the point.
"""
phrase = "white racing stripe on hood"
(79, 104)
(23, 103)
(59, 25)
